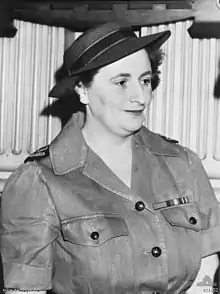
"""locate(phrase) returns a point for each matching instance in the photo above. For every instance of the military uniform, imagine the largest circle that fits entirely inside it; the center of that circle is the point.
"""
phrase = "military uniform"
(70, 224)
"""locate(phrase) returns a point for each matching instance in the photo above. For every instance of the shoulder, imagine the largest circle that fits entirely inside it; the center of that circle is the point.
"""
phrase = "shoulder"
(170, 140)
(31, 171)
(39, 154)
(22, 178)
(186, 152)
(157, 137)
(159, 144)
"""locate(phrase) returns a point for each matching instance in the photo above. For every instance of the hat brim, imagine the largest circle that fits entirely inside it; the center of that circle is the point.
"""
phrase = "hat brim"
(123, 49)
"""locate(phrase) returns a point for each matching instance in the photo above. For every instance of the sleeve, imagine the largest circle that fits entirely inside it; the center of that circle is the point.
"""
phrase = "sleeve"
(207, 204)
(29, 225)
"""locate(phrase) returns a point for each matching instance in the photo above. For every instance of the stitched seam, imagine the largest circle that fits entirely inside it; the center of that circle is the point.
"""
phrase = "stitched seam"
(44, 181)
(92, 216)
(24, 264)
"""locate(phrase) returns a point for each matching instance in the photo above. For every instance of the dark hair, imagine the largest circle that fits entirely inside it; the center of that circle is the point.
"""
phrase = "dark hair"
(156, 58)
(87, 77)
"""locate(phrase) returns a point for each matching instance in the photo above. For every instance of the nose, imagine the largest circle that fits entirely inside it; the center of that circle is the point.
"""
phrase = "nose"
(138, 94)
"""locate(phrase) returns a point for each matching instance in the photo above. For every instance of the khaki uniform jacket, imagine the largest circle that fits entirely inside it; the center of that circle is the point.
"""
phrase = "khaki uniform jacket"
(69, 223)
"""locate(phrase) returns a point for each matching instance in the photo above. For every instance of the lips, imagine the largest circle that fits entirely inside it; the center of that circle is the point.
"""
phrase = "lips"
(135, 110)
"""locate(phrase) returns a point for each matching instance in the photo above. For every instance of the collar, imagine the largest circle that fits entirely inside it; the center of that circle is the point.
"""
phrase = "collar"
(155, 143)
(68, 151)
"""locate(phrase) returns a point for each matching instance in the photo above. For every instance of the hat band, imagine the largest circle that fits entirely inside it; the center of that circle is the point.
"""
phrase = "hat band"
(100, 47)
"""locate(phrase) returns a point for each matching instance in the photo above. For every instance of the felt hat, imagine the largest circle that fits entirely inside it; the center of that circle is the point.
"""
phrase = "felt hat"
(100, 46)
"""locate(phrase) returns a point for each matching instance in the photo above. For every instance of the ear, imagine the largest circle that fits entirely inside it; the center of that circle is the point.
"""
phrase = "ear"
(82, 92)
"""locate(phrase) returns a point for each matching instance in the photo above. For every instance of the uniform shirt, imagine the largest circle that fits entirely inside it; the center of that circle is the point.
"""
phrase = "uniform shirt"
(70, 224)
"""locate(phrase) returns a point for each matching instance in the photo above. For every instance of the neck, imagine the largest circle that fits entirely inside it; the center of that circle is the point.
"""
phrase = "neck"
(101, 140)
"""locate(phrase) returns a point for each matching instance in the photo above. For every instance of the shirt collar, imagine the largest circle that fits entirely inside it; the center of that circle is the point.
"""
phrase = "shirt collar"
(68, 151)
(155, 144)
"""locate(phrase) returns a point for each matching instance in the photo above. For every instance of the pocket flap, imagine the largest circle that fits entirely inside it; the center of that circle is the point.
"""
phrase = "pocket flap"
(186, 216)
(93, 230)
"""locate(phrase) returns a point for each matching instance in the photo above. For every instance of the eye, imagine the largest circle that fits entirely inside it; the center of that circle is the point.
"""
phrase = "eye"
(122, 83)
(146, 81)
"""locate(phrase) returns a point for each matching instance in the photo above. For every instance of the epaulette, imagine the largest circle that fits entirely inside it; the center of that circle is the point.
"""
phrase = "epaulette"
(170, 140)
(39, 154)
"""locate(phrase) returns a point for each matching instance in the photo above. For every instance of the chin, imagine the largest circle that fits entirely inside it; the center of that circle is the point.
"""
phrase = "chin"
(130, 126)
(133, 128)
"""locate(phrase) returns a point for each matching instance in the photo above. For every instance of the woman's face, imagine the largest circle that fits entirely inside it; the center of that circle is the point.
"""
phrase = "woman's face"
(119, 94)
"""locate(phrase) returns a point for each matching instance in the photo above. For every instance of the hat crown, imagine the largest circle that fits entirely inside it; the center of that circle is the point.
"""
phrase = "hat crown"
(93, 37)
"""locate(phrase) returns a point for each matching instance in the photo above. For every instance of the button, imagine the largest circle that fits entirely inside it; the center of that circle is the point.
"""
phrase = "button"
(156, 251)
(193, 220)
(95, 235)
(139, 206)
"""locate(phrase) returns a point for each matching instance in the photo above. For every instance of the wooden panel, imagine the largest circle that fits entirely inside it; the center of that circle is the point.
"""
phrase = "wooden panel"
(83, 15)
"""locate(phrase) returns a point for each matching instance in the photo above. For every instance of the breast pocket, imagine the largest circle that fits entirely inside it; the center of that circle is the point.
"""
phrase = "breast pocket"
(93, 230)
(186, 216)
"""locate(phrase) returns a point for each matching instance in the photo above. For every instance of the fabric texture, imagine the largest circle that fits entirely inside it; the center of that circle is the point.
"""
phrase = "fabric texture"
(70, 224)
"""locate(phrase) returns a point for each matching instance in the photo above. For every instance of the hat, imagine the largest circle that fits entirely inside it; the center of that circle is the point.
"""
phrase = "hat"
(99, 47)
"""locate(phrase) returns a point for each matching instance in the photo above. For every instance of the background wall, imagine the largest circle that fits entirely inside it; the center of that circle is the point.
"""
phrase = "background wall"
(184, 106)
(27, 66)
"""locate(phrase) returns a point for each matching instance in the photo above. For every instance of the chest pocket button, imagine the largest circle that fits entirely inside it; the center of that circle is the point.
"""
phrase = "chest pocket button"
(156, 251)
(94, 230)
(185, 216)
(95, 235)
(139, 206)
(192, 220)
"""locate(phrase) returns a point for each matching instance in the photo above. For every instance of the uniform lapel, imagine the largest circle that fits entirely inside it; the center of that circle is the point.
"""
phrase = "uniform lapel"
(99, 172)
(69, 151)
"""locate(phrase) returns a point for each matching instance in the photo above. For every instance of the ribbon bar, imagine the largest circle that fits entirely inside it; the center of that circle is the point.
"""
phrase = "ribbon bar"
(171, 202)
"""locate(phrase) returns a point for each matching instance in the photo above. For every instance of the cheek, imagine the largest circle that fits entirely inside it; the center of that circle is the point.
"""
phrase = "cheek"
(100, 104)
(103, 101)
(111, 100)
(148, 94)
(96, 98)
(106, 99)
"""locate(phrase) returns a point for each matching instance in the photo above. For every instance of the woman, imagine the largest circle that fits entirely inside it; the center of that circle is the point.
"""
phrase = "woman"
(109, 207)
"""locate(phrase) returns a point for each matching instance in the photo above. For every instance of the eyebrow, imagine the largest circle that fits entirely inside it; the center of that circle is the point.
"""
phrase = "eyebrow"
(148, 72)
(121, 75)
(127, 75)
